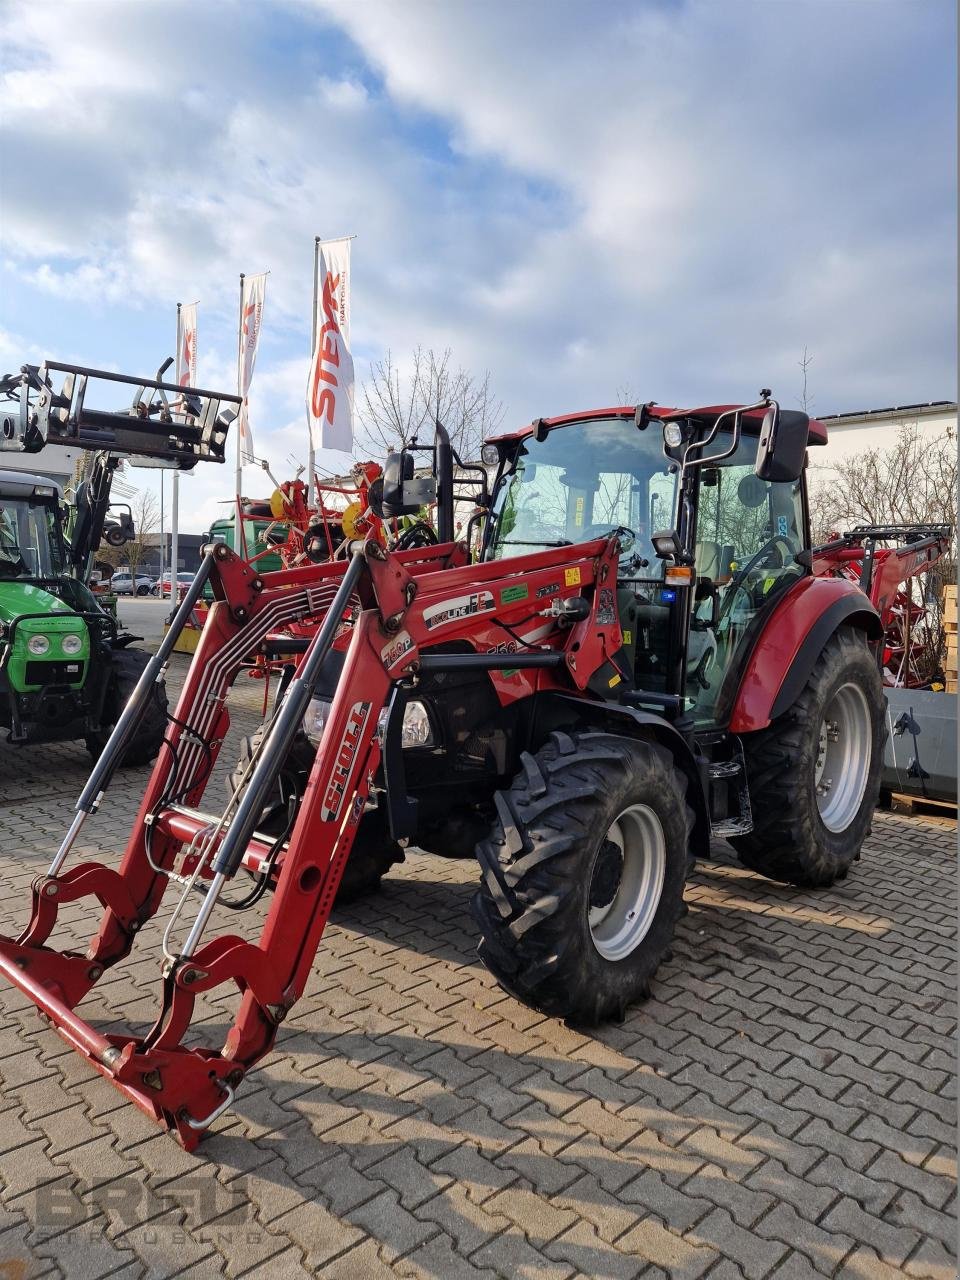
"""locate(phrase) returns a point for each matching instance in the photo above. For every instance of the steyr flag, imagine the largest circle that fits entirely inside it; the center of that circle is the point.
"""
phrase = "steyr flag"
(251, 314)
(187, 345)
(330, 386)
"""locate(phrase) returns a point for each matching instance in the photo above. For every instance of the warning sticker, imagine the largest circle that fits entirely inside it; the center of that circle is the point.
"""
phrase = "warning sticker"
(571, 577)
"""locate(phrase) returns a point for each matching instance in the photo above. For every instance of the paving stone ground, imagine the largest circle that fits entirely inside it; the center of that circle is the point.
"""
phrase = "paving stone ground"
(784, 1105)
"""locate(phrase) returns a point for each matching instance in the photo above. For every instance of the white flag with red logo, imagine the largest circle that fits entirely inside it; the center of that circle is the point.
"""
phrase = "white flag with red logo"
(330, 385)
(187, 345)
(251, 314)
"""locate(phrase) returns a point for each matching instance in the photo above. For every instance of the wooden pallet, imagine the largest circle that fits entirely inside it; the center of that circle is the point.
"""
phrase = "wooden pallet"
(914, 805)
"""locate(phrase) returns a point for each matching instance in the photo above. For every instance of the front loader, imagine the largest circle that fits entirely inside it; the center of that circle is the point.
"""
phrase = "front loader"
(66, 670)
(641, 658)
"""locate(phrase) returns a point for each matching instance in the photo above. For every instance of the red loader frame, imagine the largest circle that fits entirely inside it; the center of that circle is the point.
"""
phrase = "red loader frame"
(384, 607)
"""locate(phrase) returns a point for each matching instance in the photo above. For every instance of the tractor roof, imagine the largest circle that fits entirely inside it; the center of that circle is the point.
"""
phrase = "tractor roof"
(21, 484)
(818, 432)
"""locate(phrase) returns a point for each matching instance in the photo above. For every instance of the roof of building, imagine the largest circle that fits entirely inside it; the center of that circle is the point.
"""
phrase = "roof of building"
(929, 406)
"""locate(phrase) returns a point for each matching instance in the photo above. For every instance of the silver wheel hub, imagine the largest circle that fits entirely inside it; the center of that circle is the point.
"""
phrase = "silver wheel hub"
(627, 882)
(843, 757)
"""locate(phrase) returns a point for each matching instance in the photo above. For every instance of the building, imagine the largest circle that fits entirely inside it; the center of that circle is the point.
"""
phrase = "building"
(55, 461)
(188, 552)
(850, 434)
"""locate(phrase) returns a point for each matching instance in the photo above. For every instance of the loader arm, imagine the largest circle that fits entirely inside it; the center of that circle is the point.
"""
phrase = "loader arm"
(387, 609)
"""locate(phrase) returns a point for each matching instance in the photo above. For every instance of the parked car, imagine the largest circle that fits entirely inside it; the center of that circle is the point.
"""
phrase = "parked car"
(162, 586)
(123, 584)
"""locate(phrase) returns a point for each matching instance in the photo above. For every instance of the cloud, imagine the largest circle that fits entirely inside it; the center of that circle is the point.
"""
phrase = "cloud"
(673, 196)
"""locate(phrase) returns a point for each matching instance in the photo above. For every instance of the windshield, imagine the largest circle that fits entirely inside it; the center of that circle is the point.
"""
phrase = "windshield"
(29, 540)
(583, 481)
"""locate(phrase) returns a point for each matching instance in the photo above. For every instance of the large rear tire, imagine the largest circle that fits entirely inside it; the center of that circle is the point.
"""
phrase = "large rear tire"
(128, 666)
(814, 773)
(583, 875)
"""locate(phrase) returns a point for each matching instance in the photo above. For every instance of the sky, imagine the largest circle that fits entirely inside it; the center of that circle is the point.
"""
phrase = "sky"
(657, 199)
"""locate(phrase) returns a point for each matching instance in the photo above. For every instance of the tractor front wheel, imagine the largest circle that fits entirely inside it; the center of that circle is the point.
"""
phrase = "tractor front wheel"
(127, 668)
(814, 773)
(583, 875)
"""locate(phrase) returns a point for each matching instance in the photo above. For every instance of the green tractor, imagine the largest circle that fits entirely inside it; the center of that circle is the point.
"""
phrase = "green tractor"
(66, 668)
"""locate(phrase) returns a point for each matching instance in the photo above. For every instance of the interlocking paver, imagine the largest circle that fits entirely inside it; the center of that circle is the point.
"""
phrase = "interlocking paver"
(783, 1106)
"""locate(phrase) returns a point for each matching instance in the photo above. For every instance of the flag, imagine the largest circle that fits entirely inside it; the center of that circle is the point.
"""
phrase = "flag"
(187, 345)
(251, 313)
(330, 385)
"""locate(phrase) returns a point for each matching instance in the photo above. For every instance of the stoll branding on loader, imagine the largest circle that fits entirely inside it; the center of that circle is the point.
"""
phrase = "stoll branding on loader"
(647, 651)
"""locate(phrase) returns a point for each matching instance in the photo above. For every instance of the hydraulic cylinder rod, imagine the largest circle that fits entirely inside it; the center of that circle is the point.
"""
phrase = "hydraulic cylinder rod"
(132, 714)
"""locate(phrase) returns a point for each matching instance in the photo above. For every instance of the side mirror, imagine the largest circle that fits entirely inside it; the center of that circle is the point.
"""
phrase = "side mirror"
(783, 445)
(401, 493)
(123, 531)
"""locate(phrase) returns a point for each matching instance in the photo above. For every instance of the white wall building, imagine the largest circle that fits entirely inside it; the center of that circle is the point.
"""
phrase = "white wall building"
(853, 433)
(55, 461)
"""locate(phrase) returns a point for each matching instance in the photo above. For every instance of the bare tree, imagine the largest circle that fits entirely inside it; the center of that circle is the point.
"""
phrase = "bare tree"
(806, 399)
(393, 408)
(912, 482)
(146, 519)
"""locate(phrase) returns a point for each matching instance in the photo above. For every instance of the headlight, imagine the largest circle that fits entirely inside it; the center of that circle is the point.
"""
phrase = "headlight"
(672, 435)
(71, 643)
(38, 645)
(490, 454)
(315, 719)
(416, 730)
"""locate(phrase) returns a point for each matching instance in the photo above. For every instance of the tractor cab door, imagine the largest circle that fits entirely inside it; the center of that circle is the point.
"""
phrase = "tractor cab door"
(749, 532)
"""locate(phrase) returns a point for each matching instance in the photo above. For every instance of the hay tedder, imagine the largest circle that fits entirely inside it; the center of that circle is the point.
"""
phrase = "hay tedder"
(645, 653)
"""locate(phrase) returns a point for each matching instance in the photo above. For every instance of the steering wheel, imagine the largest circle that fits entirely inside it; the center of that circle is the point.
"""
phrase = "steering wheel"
(418, 535)
(741, 575)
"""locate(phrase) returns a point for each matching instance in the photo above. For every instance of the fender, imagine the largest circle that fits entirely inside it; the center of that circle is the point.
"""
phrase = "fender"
(612, 717)
(790, 643)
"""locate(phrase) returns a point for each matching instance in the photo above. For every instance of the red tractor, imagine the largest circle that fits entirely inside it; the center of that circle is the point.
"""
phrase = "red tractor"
(644, 655)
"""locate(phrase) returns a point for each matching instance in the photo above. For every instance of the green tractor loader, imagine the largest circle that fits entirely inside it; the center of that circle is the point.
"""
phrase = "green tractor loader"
(66, 668)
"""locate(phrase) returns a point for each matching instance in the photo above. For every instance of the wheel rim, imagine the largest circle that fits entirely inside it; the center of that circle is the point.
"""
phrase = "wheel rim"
(844, 750)
(627, 882)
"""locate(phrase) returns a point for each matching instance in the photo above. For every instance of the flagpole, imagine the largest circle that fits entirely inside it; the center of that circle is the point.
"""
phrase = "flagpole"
(175, 498)
(311, 454)
(239, 483)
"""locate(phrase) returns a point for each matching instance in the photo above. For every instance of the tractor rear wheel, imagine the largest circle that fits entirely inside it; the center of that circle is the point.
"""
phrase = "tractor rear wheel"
(814, 773)
(583, 875)
(127, 667)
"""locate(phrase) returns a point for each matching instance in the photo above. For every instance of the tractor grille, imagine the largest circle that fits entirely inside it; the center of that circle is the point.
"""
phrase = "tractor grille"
(54, 672)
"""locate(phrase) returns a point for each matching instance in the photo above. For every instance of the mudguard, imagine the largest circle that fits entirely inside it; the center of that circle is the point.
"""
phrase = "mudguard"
(612, 717)
(790, 644)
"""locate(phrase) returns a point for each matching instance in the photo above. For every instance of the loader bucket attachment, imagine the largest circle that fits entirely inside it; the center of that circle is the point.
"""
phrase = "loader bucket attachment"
(164, 422)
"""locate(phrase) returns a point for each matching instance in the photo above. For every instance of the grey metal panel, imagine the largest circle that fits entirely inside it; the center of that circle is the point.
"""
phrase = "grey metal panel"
(922, 728)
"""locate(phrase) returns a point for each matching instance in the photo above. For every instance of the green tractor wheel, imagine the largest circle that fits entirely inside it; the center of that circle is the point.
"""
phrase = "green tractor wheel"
(128, 665)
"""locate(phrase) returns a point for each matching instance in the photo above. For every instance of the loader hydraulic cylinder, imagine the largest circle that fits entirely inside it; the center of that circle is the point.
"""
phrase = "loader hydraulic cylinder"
(294, 707)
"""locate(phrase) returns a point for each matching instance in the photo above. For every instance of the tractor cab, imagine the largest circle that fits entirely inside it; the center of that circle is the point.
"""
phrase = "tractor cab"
(710, 511)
